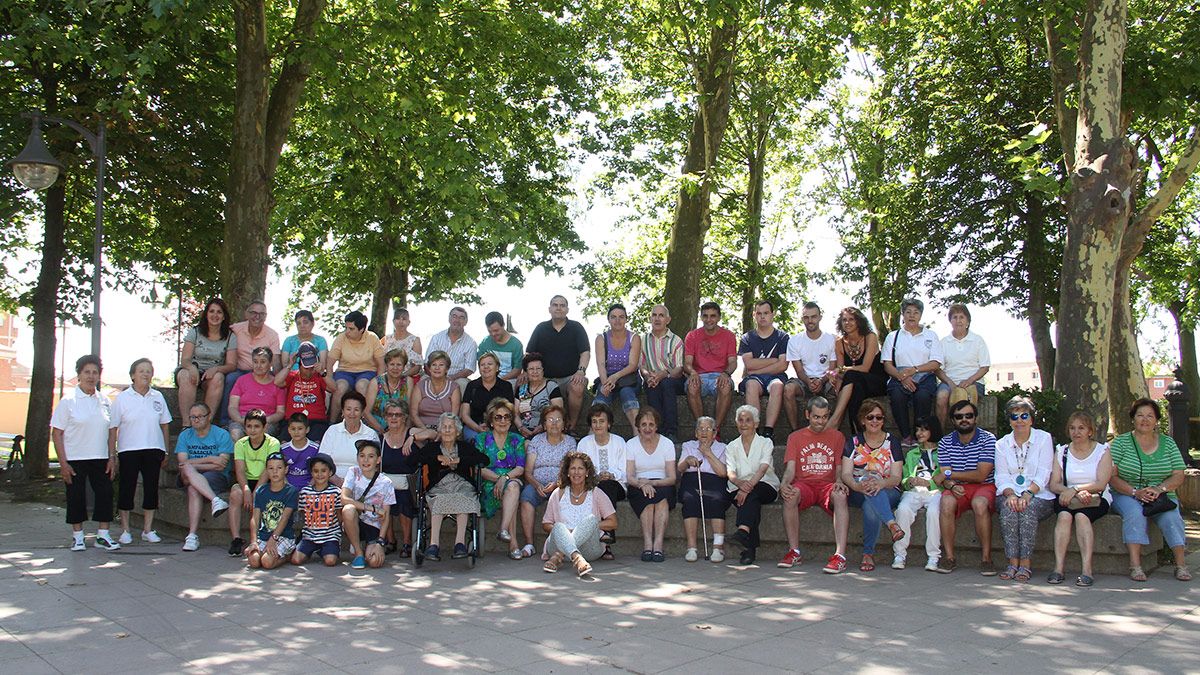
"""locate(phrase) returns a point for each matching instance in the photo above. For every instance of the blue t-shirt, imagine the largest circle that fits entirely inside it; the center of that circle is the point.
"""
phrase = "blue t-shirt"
(771, 347)
(272, 505)
(215, 442)
(960, 456)
(297, 461)
(291, 345)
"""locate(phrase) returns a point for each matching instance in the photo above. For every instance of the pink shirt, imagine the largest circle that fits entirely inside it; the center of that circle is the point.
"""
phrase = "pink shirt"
(266, 397)
(247, 344)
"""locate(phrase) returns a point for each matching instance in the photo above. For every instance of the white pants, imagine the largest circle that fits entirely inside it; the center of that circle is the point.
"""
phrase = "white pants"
(912, 502)
(585, 538)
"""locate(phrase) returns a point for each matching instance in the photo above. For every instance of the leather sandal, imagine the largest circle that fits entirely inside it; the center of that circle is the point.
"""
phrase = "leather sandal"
(868, 564)
(1136, 573)
(551, 565)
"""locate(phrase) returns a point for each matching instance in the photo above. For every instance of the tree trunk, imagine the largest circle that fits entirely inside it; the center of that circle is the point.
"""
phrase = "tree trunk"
(714, 80)
(381, 298)
(1126, 378)
(1187, 358)
(261, 119)
(1098, 214)
(400, 291)
(756, 177)
(1037, 311)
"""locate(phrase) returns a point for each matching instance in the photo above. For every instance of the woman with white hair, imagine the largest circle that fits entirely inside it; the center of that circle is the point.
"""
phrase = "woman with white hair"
(752, 480)
(1024, 462)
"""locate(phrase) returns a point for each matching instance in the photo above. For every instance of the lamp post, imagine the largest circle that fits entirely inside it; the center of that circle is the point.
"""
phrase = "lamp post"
(37, 169)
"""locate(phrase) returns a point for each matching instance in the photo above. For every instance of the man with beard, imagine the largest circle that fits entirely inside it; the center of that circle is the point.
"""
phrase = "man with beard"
(967, 456)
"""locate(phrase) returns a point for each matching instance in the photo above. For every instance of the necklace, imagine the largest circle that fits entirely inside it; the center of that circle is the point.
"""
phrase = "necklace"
(854, 350)
(578, 500)
(427, 386)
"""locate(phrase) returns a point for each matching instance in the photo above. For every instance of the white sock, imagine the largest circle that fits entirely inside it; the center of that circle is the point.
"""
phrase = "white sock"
(103, 533)
(718, 539)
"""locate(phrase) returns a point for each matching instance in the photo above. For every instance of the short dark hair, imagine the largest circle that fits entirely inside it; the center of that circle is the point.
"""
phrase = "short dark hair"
(530, 357)
(650, 412)
(963, 404)
(255, 414)
(300, 417)
(770, 305)
(912, 302)
(710, 305)
(493, 317)
(1145, 402)
(601, 409)
(304, 314)
(133, 366)
(400, 312)
(353, 395)
(931, 423)
(811, 305)
(86, 360)
(357, 318)
(616, 305)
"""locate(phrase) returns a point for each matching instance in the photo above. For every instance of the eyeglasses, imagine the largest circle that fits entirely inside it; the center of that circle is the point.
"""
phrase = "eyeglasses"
(874, 418)
(196, 417)
(501, 417)
(256, 313)
(1016, 416)
(964, 416)
(394, 414)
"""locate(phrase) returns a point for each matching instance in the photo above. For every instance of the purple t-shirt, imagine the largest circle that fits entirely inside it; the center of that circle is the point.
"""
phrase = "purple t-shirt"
(297, 462)
(266, 397)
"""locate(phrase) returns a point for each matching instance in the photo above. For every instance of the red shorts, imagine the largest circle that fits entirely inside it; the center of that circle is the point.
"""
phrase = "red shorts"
(972, 490)
(814, 493)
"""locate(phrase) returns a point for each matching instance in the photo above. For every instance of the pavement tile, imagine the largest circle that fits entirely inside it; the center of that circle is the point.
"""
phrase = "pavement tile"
(29, 665)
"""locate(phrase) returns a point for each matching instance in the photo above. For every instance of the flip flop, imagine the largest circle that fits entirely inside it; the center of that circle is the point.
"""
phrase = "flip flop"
(608, 554)
(868, 564)
(1136, 573)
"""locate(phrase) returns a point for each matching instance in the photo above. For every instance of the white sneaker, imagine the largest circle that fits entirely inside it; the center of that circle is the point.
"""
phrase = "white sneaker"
(191, 542)
(107, 544)
(718, 555)
(931, 565)
(219, 506)
(151, 537)
(125, 538)
(691, 555)
(897, 563)
(78, 544)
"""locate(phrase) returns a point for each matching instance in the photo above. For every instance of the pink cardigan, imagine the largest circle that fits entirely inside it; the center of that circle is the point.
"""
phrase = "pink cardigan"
(601, 505)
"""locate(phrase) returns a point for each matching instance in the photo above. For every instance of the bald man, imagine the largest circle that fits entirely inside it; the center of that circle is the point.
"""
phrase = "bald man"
(662, 369)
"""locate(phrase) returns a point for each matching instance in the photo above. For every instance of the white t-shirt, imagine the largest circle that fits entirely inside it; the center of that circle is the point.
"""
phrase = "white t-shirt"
(138, 420)
(964, 357)
(339, 445)
(382, 495)
(912, 350)
(650, 466)
(1083, 471)
(816, 355)
(607, 458)
(83, 420)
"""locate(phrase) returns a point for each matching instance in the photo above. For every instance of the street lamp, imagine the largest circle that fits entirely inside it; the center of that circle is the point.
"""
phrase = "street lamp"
(37, 169)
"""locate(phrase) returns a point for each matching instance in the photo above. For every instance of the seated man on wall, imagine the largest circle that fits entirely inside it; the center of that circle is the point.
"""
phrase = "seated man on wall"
(764, 360)
(709, 358)
(811, 478)
(662, 369)
(814, 359)
(967, 456)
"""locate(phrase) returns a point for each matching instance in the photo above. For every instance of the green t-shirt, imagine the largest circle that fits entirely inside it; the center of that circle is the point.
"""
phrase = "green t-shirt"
(1151, 469)
(510, 353)
(255, 458)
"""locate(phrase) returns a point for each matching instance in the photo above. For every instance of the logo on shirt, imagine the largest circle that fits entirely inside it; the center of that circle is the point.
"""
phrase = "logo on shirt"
(928, 344)
(824, 359)
(158, 407)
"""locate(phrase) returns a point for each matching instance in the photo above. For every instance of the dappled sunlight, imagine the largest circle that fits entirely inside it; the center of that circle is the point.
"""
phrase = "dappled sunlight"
(344, 613)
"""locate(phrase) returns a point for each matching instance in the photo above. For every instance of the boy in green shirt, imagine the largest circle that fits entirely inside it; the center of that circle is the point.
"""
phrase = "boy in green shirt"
(920, 466)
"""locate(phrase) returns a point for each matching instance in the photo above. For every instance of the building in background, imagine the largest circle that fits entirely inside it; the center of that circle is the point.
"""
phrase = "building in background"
(13, 376)
(1023, 373)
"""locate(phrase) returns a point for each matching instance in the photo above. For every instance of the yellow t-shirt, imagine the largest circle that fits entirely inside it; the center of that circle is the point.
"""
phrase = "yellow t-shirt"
(356, 356)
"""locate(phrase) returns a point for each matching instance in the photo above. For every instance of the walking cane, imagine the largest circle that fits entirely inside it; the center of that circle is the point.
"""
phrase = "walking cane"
(703, 521)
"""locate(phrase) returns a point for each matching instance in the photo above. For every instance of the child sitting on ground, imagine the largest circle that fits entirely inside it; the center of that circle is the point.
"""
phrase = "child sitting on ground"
(274, 504)
(920, 466)
(298, 450)
(321, 507)
(367, 495)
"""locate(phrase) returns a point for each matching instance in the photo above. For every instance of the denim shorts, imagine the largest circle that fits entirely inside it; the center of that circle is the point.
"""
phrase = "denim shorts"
(708, 383)
(353, 378)
(307, 548)
(529, 495)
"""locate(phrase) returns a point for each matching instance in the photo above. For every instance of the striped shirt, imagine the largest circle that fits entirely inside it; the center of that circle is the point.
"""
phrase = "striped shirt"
(322, 511)
(956, 455)
(462, 352)
(1151, 469)
(665, 353)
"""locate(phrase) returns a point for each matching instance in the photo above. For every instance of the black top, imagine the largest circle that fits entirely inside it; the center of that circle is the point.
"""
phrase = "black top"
(394, 460)
(478, 397)
(469, 459)
(560, 349)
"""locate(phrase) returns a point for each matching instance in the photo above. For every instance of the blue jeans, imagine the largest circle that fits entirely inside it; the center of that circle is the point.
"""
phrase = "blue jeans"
(1135, 529)
(877, 510)
(664, 399)
(921, 399)
(628, 396)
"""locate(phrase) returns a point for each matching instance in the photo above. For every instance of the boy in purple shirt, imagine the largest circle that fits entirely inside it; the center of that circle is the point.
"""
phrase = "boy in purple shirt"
(298, 450)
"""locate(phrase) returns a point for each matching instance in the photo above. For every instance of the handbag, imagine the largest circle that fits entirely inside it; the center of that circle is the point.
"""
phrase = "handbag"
(1160, 504)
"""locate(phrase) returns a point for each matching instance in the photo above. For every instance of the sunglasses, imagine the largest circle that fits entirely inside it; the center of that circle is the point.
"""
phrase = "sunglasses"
(964, 416)
(505, 416)
(1018, 416)
(874, 418)
(394, 414)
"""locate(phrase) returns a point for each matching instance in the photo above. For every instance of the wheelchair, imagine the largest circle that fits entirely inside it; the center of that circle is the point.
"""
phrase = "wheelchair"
(418, 487)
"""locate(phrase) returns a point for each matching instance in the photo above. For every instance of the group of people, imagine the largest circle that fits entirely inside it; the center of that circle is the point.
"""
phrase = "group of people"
(330, 435)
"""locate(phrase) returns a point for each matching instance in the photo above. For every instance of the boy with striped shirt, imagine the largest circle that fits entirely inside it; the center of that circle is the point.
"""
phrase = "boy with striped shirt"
(321, 506)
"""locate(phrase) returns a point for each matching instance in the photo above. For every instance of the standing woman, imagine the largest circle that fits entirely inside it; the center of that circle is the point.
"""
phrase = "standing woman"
(398, 461)
(79, 427)
(1149, 470)
(392, 386)
(650, 467)
(209, 352)
(1080, 476)
(872, 464)
(1024, 462)
(434, 396)
(702, 468)
(860, 366)
(618, 353)
(505, 450)
(137, 435)
(752, 480)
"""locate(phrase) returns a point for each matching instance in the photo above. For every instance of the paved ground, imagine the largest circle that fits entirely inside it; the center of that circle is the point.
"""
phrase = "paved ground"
(153, 608)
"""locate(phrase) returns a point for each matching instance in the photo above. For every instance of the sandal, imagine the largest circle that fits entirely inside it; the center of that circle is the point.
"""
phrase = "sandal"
(1009, 573)
(608, 554)
(1024, 574)
(647, 555)
(527, 551)
(1084, 581)
(1182, 573)
(515, 554)
(1136, 573)
(868, 564)
(582, 566)
(1058, 578)
(897, 531)
(551, 565)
